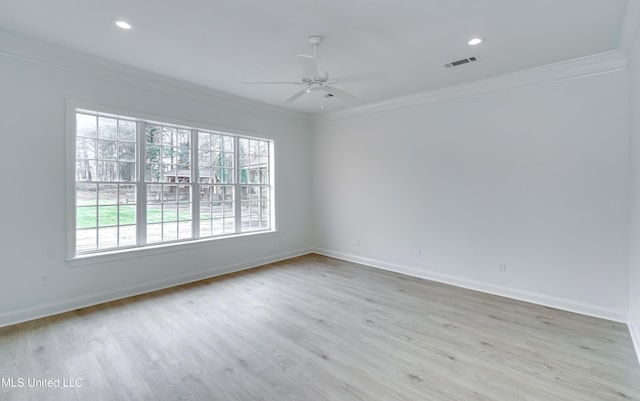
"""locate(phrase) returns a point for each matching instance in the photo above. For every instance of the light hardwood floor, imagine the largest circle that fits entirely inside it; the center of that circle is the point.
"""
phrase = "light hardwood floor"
(315, 328)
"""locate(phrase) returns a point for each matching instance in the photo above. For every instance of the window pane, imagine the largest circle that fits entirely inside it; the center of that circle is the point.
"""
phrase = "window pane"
(228, 143)
(184, 230)
(86, 125)
(107, 216)
(127, 194)
(153, 135)
(263, 148)
(169, 173)
(184, 174)
(107, 194)
(228, 160)
(169, 136)
(86, 170)
(154, 214)
(183, 156)
(184, 138)
(265, 221)
(107, 171)
(204, 141)
(154, 233)
(86, 194)
(205, 209)
(253, 147)
(126, 131)
(216, 210)
(217, 226)
(168, 155)
(226, 176)
(205, 175)
(107, 150)
(107, 128)
(86, 217)
(126, 172)
(85, 148)
(169, 212)
(169, 193)
(243, 145)
(170, 231)
(107, 238)
(216, 143)
(254, 207)
(127, 215)
(127, 236)
(205, 228)
(204, 158)
(184, 211)
(152, 173)
(86, 240)
(154, 193)
(127, 151)
(153, 154)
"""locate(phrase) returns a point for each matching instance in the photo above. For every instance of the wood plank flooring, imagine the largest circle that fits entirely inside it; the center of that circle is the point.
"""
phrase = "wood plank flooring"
(315, 328)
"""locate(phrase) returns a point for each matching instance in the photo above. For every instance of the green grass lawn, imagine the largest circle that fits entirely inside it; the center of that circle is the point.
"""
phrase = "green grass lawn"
(108, 216)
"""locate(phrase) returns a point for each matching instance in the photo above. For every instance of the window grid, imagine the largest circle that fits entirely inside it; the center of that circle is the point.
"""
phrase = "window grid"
(190, 184)
(254, 170)
(216, 162)
(105, 153)
(168, 175)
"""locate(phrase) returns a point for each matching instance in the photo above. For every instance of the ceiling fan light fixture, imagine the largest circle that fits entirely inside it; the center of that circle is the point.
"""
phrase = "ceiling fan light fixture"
(122, 24)
(475, 41)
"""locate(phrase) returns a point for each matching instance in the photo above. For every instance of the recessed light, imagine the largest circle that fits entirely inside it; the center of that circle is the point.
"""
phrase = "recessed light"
(122, 24)
(475, 41)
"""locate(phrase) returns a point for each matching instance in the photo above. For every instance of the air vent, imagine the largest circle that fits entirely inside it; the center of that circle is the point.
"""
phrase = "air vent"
(460, 62)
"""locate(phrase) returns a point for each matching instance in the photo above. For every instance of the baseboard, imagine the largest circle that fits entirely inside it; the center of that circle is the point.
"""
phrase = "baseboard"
(527, 296)
(635, 337)
(39, 311)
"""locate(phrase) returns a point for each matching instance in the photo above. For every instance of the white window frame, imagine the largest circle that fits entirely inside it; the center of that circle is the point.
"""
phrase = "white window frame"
(141, 248)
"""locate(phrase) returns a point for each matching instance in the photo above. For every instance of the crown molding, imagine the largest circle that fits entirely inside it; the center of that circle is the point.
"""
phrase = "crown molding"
(566, 70)
(68, 60)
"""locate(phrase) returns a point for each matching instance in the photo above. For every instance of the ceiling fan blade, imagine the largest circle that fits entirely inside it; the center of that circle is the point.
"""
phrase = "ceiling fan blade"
(340, 93)
(309, 67)
(297, 95)
(366, 76)
(272, 83)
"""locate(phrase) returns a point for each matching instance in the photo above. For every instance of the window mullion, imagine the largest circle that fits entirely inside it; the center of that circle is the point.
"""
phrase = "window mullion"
(195, 178)
(141, 188)
(237, 196)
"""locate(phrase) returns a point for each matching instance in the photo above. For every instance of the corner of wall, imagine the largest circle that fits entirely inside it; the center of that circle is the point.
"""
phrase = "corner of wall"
(630, 30)
(635, 337)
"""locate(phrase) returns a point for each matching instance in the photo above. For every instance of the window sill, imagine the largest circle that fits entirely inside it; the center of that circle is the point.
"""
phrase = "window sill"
(131, 253)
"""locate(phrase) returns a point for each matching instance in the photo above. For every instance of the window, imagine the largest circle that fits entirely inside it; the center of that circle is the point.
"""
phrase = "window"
(140, 183)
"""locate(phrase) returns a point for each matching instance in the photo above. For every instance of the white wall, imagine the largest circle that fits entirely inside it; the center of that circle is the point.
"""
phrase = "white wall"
(535, 177)
(634, 279)
(32, 237)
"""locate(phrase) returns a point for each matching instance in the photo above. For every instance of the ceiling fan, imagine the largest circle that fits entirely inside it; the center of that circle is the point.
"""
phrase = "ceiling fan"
(313, 79)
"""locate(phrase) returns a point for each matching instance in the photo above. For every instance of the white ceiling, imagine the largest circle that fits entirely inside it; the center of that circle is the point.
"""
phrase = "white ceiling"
(219, 44)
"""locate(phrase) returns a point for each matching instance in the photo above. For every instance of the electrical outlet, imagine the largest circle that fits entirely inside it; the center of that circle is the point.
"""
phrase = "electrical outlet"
(43, 280)
(417, 252)
(358, 242)
(502, 267)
